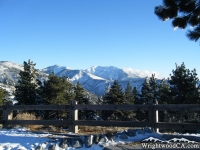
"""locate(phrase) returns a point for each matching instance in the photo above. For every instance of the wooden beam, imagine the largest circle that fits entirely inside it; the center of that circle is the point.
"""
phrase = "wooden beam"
(180, 126)
(113, 107)
(178, 107)
(39, 107)
(112, 123)
(38, 122)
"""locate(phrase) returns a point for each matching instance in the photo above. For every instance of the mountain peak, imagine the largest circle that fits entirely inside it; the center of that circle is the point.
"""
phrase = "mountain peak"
(56, 68)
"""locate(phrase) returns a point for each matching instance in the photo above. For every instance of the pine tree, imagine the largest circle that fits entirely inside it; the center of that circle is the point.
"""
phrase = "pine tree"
(164, 93)
(182, 13)
(129, 99)
(146, 92)
(164, 97)
(184, 90)
(57, 90)
(79, 94)
(28, 85)
(136, 95)
(2, 95)
(82, 99)
(150, 90)
(149, 94)
(114, 96)
(154, 88)
(184, 86)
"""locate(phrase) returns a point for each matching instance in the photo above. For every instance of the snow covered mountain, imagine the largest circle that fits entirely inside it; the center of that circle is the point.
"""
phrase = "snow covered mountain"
(95, 79)
(9, 73)
(98, 78)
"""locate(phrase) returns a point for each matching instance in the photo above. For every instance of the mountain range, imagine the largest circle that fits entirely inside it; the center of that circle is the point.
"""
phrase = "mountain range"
(95, 79)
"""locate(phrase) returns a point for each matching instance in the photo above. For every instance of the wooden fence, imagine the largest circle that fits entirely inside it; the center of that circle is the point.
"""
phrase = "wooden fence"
(73, 121)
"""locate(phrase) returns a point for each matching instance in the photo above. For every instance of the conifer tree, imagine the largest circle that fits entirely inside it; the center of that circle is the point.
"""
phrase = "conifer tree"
(149, 94)
(150, 90)
(146, 92)
(129, 99)
(164, 93)
(184, 85)
(2, 95)
(28, 85)
(79, 93)
(139, 115)
(82, 99)
(154, 88)
(184, 90)
(182, 13)
(114, 96)
(57, 90)
(164, 97)
(136, 95)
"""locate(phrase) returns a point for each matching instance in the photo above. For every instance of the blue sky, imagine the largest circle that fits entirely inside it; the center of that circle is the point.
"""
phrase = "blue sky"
(83, 33)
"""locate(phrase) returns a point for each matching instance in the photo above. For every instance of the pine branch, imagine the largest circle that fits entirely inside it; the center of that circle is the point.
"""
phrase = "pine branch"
(195, 34)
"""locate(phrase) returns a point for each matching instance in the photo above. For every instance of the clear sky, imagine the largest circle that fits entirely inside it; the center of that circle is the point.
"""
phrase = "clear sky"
(84, 33)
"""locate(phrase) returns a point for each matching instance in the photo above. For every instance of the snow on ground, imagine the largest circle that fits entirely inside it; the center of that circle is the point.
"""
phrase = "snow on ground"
(23, 139)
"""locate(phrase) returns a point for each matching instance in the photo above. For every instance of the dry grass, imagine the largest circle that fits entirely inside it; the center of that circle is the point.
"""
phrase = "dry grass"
(83, 130)
(28, 116)
(99, 130)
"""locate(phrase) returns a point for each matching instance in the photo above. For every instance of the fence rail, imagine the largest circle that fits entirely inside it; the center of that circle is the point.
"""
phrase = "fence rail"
(73, 121)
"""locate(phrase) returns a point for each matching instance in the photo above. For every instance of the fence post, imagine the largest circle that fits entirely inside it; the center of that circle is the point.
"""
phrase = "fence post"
(155, 116)
(7, 114)
(73, 116)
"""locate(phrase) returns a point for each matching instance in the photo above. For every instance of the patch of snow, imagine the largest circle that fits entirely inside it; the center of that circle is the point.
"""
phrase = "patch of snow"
(95, 77)
(140, 73)
(22, 138)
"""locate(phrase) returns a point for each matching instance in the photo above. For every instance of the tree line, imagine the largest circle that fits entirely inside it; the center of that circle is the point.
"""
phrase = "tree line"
(181, 88)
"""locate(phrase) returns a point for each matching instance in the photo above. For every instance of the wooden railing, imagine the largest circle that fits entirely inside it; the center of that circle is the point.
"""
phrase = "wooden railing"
(73, 121)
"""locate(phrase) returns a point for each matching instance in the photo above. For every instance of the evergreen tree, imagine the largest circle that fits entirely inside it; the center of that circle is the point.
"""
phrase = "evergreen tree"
(164, 98)
(136, 95)
(154, 88)
(129, 97)
(82, 99)
(79, 94)
(146, 96)
(114, 96)
(28, 85)
(184, 90)
(183, 13)
(57, 90)
(184, 85)
(164, 93)
(149, 94)
(150, 90)
(2, 96)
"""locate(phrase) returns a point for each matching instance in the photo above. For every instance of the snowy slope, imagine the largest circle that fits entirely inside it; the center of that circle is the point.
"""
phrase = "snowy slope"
(9, 73)
(97, 78)
(94, 79)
